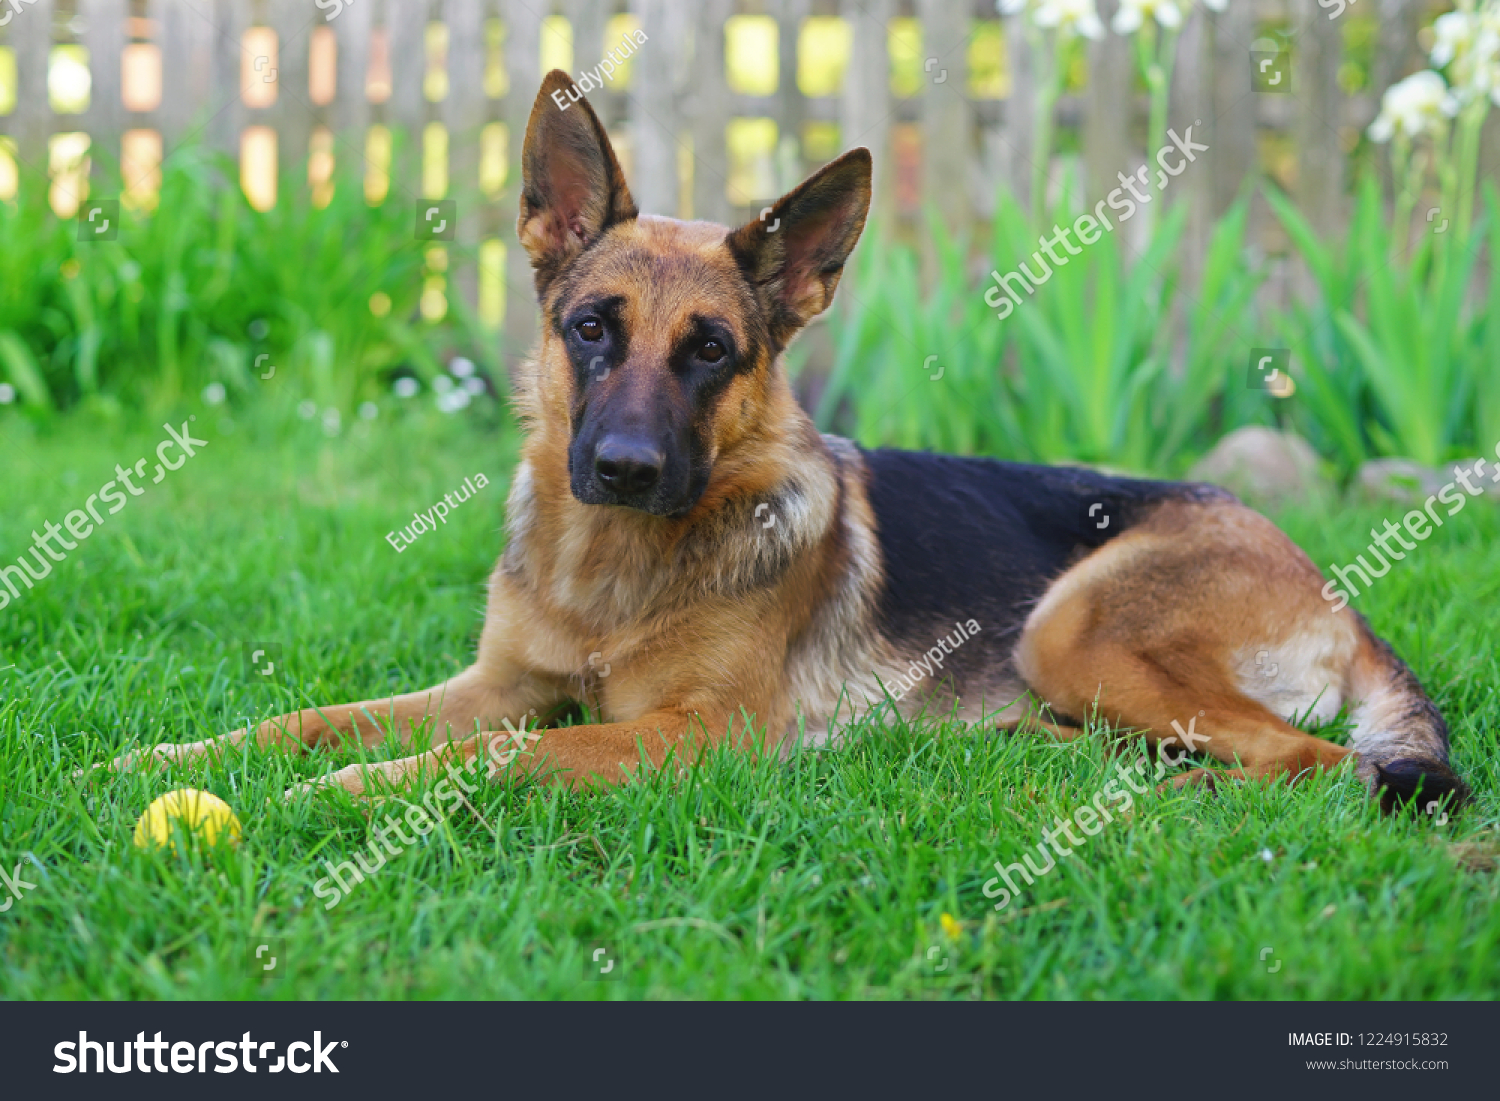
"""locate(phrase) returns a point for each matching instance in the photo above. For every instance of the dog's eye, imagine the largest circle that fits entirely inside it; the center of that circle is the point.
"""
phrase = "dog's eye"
(712, 351)
(591, 329)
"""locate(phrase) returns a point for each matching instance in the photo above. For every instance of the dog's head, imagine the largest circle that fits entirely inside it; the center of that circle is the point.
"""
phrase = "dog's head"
(660, 338)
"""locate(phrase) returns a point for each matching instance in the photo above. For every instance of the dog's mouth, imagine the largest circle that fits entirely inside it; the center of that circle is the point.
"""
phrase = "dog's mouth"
(651, 504)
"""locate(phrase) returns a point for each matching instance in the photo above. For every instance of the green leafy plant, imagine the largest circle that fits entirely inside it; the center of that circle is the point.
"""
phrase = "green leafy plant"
(1088, 367)
(1487, 359)
(1331, 402)
(1415, 346)
(1388, 358)
(1085, 360)
(32, 245)
(917, 365)
(1101, 374)
(205, 289)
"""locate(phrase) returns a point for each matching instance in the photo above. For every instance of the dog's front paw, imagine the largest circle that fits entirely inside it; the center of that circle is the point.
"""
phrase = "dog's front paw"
(142, 760)
(350, 778)
(1201, 778)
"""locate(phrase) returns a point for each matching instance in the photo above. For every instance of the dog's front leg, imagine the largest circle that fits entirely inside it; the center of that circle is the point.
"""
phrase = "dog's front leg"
(482, 697)
(593, 756)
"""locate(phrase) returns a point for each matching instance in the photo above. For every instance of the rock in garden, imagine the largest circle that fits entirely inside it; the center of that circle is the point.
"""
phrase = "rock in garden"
(1265, 467)
(1406, 482)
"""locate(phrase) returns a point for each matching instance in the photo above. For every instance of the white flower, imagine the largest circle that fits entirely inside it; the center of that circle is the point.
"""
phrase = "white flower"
(453, 401)
(1070, 16)
(1066, 16)
(1467, 42)
(1133, 14)
(1412, 106)
(1451, 32)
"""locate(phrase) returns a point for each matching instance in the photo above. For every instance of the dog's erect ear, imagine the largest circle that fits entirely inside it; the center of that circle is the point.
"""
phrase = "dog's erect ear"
(572, 187)
(793, 255)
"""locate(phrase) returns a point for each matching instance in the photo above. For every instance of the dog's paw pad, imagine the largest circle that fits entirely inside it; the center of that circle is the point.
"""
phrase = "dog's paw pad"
(141, 760)
(301, 791)
(1202, 779)
(349, 779)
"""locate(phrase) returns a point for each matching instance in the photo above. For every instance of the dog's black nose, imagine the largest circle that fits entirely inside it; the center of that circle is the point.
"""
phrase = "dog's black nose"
(627, 467)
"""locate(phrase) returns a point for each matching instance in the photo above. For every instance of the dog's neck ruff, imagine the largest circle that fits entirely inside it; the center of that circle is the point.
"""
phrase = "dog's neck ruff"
(612, 567)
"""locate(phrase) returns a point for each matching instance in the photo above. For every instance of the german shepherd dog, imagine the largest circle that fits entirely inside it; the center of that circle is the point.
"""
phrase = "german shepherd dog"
(686, 552)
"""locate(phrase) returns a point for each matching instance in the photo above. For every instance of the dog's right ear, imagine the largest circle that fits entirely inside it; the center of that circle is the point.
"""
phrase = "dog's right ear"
(572, 189)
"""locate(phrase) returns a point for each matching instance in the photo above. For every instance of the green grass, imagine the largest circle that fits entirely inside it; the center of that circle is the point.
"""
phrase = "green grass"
(824, 876)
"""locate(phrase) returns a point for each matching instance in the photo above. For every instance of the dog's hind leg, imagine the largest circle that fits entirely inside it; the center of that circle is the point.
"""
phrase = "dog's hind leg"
(1149, 689)
(1207, 612)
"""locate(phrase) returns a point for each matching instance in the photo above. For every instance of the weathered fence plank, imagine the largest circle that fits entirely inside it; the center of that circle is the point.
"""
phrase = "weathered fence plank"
(1319, 127)
(32, 122)
(653, 137)
(523, 65)
(1230, 128)
(463, 113)
(708, 108)
(1106, 135)
(865, 106)
(1018, 129)
(294, 113)
(946, 110)
(104, 37)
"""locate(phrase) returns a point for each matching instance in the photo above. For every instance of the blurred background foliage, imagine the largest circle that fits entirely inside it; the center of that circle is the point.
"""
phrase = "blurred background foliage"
(1133, 356)
(215, 296)
(1114, 361)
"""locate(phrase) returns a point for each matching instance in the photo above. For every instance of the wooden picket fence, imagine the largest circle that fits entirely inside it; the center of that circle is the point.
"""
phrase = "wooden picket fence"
(726, 103)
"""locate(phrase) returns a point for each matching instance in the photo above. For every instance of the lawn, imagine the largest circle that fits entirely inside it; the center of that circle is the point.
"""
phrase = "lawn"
(825, 876)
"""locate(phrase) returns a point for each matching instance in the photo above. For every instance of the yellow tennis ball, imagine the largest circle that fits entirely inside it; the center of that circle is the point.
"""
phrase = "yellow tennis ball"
(198, 813)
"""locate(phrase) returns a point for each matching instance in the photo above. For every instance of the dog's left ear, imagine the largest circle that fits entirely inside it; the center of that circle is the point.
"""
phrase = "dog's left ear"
(793, 256)
(572, 186)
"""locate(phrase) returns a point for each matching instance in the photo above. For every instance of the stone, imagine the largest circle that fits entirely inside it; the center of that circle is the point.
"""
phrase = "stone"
(1405, 482)
(1265, 467)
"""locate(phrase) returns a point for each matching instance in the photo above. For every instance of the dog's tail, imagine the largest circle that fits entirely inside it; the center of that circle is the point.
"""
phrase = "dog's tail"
(1399, 739)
